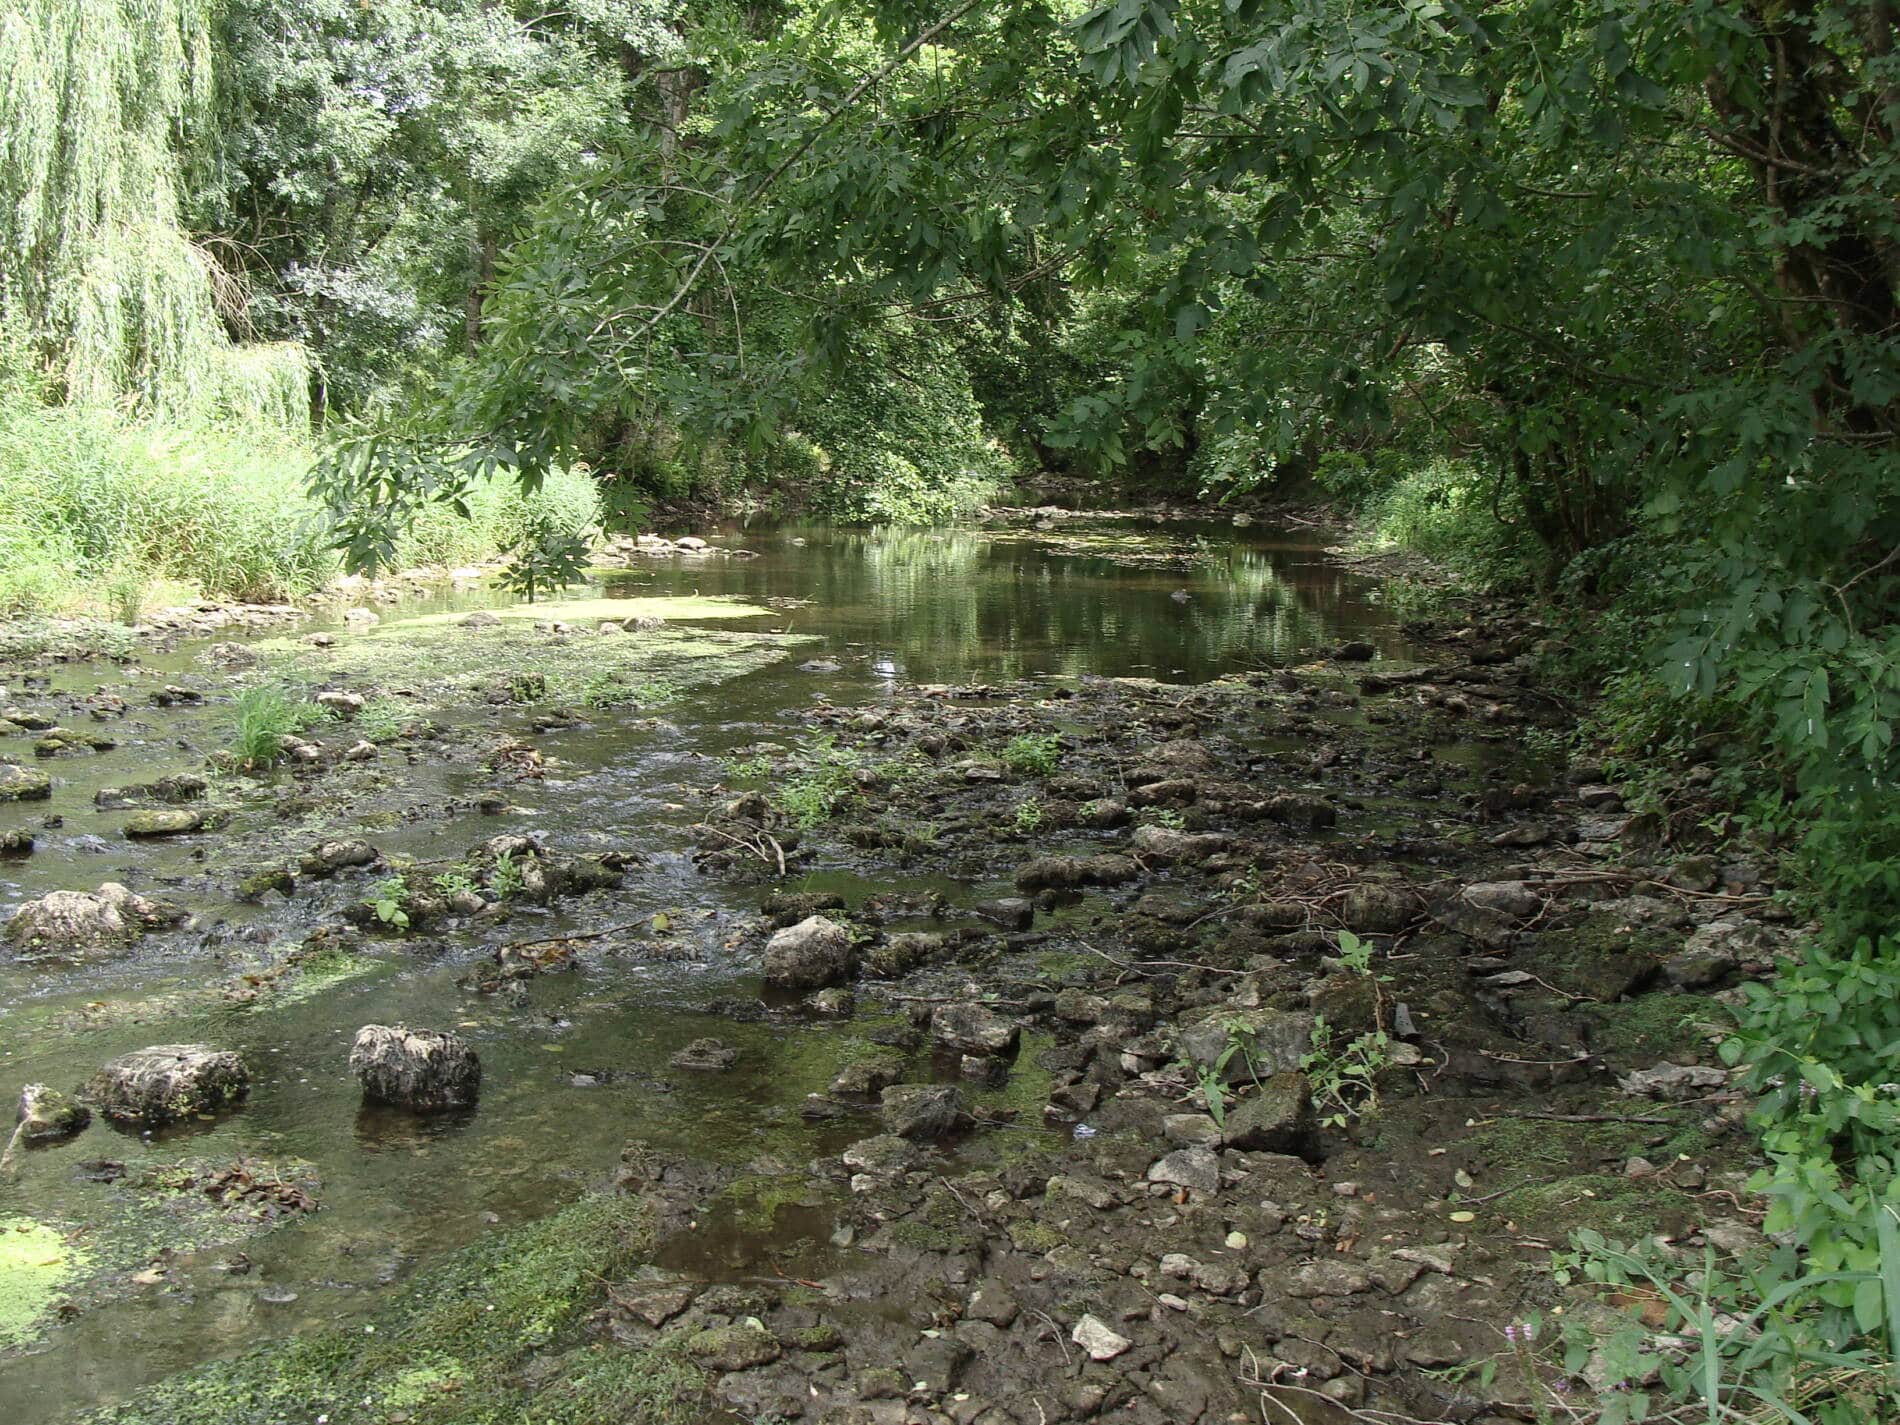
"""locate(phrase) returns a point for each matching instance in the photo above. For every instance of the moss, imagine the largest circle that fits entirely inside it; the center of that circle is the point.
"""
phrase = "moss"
(36, 1263)
(1656, 1026)
(1030, 1235)
(452, 1348)
(1618, 1207)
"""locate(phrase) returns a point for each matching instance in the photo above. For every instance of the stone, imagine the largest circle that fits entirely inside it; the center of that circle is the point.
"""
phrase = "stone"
(345, 705)
(1196, 1169)
(47, 1114)
(1191, 1130)
(1010, 912)
(1277, 1119)
(1094, 1336)
(869, 1075)
(1066, 873)
(740, 1347)
(167, 1082)
(885, 1156)
(1490, 912)
(1378, 909)
(970, 1028)
(421, 1069)
(329, 857)
(811, 955)
(1672, 1081)
(87, 922)
(177, 822)
(705, 1056)
(1271, 1041)
(993, 1302)
(1163, 844)
(24, 784)
(921, 1111)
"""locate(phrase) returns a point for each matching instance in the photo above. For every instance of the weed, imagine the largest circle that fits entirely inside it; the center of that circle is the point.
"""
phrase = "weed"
(386, 899)
(1345, 1077)
(1029, 816)
(454, 882)
(125, 589)
(1034, 753)
(383, 719)
(505, 880)
(1168, 817)
(826, 783)
(262, 718)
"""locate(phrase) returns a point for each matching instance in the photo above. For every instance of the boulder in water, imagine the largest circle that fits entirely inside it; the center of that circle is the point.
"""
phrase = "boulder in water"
(811, 955)
(422, 1069)
(87, 922)
(168, 1082)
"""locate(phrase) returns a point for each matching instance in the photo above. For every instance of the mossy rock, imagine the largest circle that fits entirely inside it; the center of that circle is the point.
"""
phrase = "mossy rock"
(24, 784)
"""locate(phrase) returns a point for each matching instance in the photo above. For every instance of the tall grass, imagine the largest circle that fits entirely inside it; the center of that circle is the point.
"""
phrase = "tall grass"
(93, 504)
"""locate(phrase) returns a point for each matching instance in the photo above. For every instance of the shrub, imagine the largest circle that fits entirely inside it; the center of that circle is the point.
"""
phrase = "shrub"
(262, 718)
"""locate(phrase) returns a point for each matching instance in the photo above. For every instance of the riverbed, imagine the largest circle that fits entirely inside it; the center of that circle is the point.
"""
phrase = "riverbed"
(577, 1064)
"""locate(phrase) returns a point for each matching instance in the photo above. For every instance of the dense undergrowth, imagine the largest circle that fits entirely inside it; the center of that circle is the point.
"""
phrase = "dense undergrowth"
(104, 514)
(1751, 764)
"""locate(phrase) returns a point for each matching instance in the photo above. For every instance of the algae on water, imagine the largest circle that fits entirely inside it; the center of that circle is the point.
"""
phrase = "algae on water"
(36, 1262)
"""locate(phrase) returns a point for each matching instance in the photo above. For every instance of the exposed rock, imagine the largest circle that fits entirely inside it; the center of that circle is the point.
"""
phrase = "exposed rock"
(1672, 1081)
(971, 1028)
(23, 784)
(47, 1114)
(705, 1056)
(921, 1111)
(1490, 912)
(872, 1074)
(1378, 909)
(1194, 1168)
(1010, 912)
(1094, 1336)
(1161, 843)
(1272, 1041)
(167, 1082)
(1063, 873)
(810, 955)
(344, 705)
(421, 1069)
(87, 922)
(329, 857)
(146, 824)
(739, 1347)
(1277, 1119)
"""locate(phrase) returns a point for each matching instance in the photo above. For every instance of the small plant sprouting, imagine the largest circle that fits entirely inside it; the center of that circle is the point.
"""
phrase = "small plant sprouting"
(506, 879)
(1029, 816)
(386, 900)
(1345, 1078)
(1035, 753)
(454, 881)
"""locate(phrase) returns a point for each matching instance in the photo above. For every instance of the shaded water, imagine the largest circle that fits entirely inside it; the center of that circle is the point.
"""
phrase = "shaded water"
(578, 1066)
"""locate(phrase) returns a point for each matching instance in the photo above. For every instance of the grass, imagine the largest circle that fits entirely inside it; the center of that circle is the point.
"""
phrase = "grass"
(262, 718)
(1036, 753)
(96, 509)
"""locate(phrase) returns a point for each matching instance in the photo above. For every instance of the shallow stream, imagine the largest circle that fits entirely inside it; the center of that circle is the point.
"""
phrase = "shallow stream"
(576, 1065)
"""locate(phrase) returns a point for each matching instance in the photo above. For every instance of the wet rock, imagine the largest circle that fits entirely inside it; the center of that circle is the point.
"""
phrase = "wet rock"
(833, 1004)
(24, 784)
(148, 824)
(740, 1347)
(87, 922)
(229, 655)
(253, 887)
(1103, 813)
(1191, 1130)
(1490, 912)
(1356, 651)
(421, 1069)
(992, 1301)
(16, 842)
(47, 1114)
(921, 1111)
(1063, 873)
(329, 857)
(1277, 1119)
(1094, 1336)
(1292, 809)
(1271, 1041)
(1166, 760)
(167, 1082)
(1164, 844)
(869, 1075)
(811, 955)
(1196, 1169)
(1010, 912)
(1170, 792)
(970, 1028)
(344, 705)
(879, 1159)
(705, 1056)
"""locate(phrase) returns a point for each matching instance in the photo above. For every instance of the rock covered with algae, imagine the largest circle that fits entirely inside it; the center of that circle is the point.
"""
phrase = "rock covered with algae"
(167, 1082)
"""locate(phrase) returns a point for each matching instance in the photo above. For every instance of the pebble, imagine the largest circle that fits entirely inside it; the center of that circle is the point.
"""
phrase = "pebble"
(1095, 1337)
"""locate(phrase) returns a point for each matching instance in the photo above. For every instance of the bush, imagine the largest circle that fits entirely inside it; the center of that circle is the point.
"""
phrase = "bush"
(1452, 514)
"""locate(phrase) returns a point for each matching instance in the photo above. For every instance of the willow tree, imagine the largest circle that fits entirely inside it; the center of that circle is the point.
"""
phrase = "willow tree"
(102, 105)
